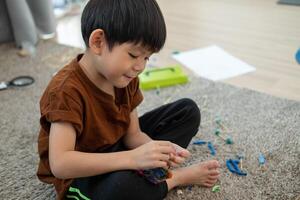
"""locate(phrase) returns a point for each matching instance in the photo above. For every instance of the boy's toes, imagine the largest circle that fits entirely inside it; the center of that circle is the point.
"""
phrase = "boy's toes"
(207, 184)
(214, 172)
(215, 177)
(211, 181)
(213, 164)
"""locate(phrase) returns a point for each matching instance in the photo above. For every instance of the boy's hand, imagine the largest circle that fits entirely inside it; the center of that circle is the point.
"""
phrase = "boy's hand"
(153, 154)
(179, 157)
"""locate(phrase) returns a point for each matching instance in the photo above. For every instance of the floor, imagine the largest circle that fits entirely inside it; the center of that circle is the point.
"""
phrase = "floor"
(264, 34)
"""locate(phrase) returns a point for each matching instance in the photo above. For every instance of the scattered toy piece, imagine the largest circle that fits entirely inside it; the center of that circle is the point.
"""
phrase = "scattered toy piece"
(241, 157)
(190, 187)
(199, 142)
(262, 161)
(157, 91)
(179, 192)
(233, 167)
(217, 131)
(19, 81)
(211, 148)
(228, 140)
(216, 188)
(297, 56)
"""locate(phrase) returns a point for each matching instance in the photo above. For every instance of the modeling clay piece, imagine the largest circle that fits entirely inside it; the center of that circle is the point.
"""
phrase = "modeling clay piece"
(190, 187)
(156, 175)
(199, 142)
(157, 90)
(216, 188)
(233, 166)
(228, 140)
(179, 192)
(217, 131)
(261, 159)
(297, 56)
(211, 148)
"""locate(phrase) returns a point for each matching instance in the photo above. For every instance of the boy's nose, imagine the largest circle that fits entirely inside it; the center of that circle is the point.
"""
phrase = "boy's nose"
(140, 66)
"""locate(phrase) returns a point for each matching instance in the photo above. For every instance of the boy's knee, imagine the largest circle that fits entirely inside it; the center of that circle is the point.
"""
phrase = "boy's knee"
(194, 111)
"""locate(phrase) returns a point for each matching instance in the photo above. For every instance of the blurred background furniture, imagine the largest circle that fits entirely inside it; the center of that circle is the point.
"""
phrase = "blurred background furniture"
(24, 22)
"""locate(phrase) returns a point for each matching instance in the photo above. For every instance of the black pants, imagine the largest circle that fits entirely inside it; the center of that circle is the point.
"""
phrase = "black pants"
(177, 122)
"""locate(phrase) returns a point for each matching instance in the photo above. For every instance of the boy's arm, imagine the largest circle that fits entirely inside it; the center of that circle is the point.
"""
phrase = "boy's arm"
(65, 162)
(134, 136)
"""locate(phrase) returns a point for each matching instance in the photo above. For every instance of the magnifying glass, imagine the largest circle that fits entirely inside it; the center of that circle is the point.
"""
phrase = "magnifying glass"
(19, 81)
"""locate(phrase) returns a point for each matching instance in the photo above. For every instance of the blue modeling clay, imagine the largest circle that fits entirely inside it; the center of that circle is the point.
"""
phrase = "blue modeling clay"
(233, 166)
(199, 142)
(298, 56)
(211, 148)
(261, 159)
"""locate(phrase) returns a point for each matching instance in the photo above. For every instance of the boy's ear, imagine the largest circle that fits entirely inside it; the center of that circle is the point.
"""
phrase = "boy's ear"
(97, 41)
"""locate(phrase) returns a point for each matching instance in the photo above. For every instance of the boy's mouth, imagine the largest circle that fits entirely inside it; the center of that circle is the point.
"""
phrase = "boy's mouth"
(129, 77)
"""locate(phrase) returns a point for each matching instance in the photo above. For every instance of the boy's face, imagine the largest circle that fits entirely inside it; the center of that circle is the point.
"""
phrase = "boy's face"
(122, 63)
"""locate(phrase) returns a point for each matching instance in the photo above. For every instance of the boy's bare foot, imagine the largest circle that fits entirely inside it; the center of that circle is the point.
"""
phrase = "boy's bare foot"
(204, 174)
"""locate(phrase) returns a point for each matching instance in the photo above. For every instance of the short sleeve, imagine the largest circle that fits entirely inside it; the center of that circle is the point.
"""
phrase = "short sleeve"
(62, 107)
(136, 94)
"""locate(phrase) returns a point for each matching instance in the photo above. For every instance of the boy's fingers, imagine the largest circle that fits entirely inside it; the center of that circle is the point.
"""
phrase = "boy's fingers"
(162, 164)
(173, 164)
(167, 150)
(164, 143)
(177, 159)
(164, 157)
(184, 153)
(181, 151)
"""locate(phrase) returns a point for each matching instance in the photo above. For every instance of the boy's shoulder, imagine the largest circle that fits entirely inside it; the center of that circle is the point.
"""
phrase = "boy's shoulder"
(66, 80)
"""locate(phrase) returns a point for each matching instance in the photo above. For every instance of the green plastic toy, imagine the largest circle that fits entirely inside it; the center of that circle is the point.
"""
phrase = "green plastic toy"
(216, 188)
(162, 77)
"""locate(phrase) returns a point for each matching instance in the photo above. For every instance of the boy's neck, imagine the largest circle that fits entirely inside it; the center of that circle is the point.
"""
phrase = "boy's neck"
(88, 66)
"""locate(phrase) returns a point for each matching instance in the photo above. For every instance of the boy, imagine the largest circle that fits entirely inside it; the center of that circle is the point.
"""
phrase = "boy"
(91, 140)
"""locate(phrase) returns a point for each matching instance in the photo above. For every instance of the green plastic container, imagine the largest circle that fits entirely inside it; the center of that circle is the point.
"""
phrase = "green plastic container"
(162, 77)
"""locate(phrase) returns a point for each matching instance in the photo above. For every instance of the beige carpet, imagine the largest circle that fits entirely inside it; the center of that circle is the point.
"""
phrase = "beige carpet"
(261, 123)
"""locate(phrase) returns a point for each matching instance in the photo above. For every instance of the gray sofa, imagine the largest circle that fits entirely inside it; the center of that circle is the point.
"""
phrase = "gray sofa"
(24, 21)
(6, 34)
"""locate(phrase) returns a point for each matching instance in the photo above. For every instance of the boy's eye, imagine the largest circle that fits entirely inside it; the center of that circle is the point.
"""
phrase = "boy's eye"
(132, 56)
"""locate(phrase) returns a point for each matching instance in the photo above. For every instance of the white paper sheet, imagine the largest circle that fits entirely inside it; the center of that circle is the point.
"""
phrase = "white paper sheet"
(213, 63)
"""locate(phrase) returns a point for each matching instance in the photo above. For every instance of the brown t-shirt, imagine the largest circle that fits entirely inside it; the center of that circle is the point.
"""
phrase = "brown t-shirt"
(99, 119)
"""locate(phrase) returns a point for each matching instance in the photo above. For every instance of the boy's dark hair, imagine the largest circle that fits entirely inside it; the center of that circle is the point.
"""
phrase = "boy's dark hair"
(136, 21)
